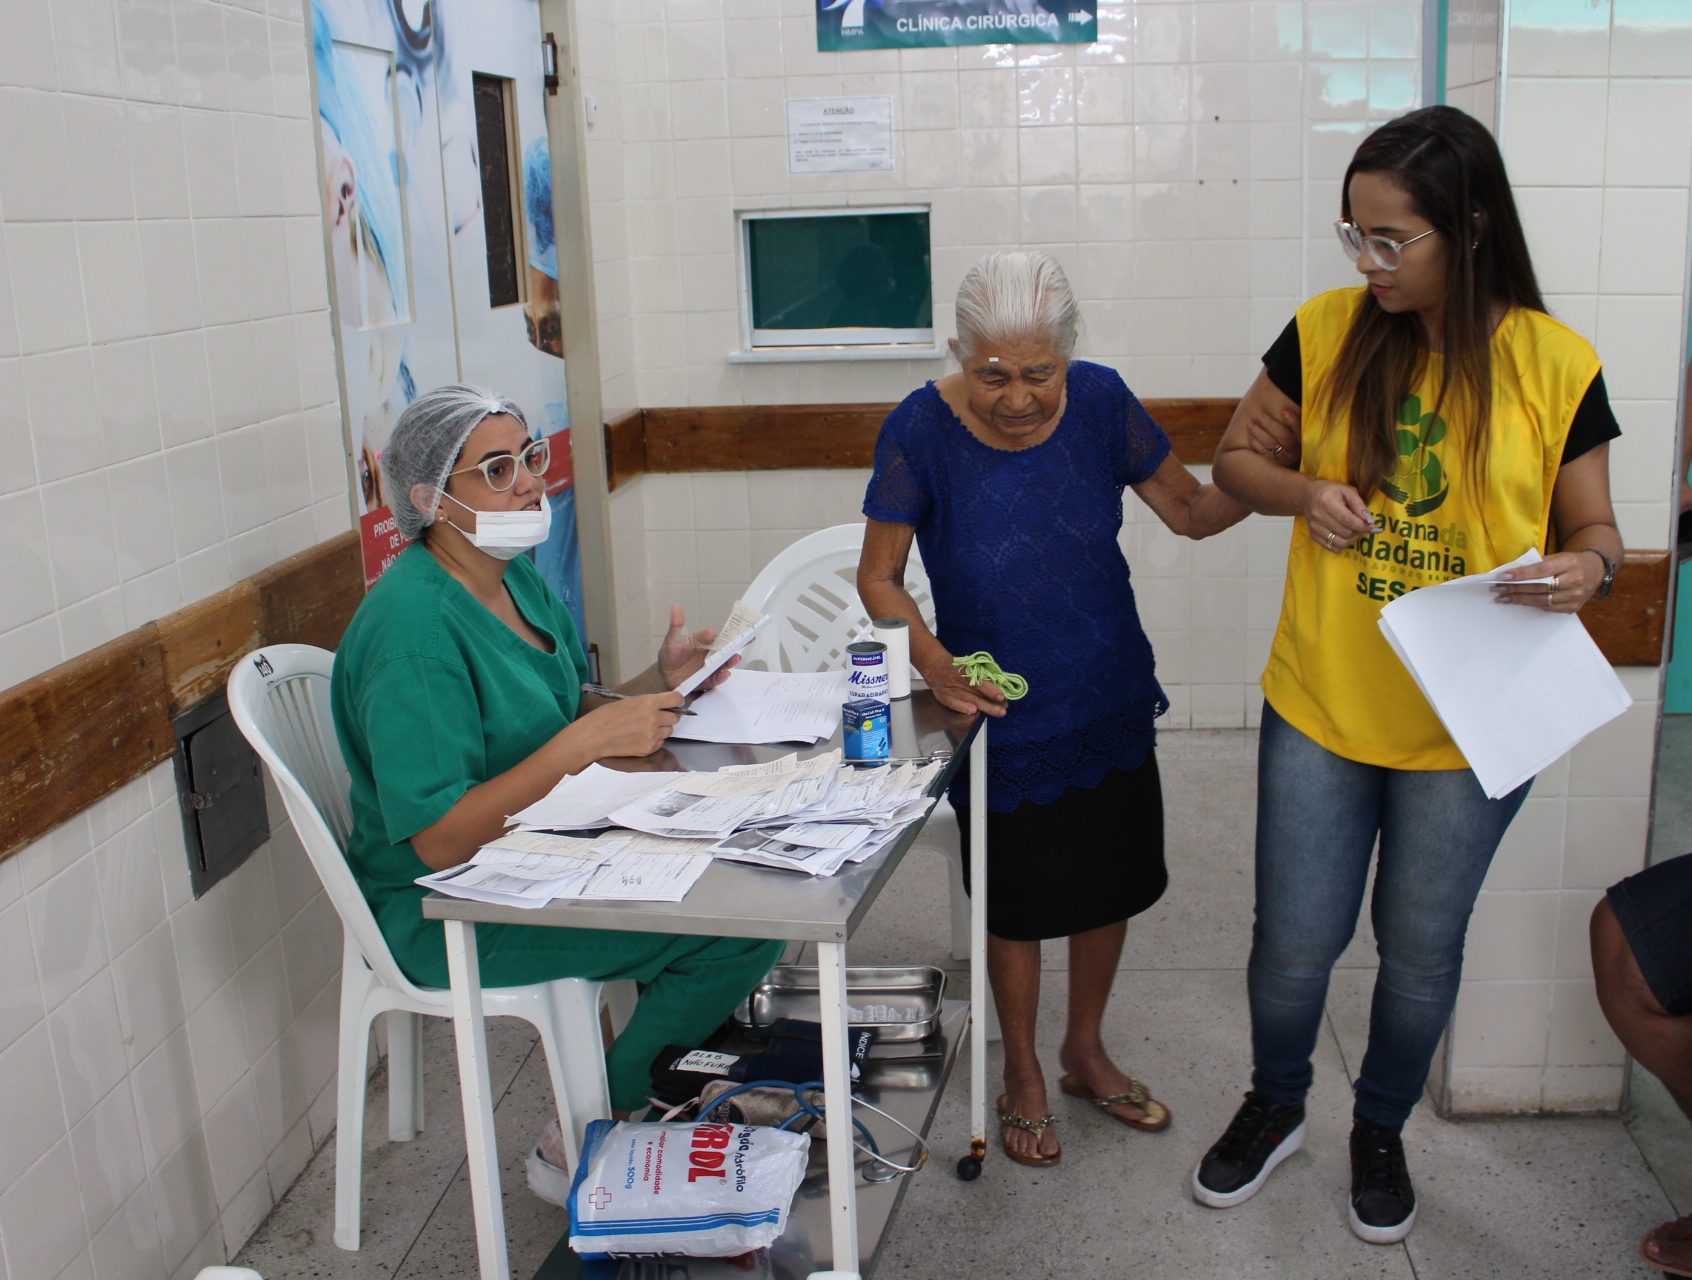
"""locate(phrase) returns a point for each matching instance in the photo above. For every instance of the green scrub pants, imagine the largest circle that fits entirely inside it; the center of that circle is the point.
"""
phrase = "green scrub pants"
(688, 984)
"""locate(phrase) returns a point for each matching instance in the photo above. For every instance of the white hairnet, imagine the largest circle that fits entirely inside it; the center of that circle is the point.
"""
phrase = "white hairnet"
(426, 442)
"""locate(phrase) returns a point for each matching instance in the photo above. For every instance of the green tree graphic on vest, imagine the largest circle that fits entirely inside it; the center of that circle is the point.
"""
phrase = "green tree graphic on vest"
(1420, 482)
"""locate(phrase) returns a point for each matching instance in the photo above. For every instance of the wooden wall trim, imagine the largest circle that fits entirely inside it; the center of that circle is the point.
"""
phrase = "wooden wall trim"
(1631, 625)
(782, 437)
(73, 735)
(1628, 627)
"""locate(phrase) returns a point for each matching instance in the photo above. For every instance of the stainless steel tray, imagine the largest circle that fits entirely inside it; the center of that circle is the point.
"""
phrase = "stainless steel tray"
(912, 994)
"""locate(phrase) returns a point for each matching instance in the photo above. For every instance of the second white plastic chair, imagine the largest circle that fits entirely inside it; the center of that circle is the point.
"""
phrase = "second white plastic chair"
(810, 591)
(279, 697)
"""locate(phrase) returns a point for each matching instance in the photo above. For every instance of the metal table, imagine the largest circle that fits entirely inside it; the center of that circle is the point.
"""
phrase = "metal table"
(734, 900)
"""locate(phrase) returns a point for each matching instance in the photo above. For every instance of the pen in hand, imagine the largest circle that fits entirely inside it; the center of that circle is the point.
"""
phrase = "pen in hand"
(600, 691)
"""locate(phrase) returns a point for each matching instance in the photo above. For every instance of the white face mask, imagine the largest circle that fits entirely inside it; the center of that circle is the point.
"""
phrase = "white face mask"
(505, 535)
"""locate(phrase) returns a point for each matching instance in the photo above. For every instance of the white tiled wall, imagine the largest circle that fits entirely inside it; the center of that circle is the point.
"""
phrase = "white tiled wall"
(167, 1065)
(1184, 169)
(168, 424)
(168, 419)
(1598, 136)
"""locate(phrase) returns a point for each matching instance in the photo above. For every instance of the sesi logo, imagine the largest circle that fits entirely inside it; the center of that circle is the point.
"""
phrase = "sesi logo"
(705, 1160)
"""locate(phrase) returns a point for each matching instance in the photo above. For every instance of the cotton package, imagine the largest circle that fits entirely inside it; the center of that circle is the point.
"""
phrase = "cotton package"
(700, 1190)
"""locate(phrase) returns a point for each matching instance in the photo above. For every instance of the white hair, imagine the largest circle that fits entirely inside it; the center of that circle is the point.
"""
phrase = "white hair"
(1012, 297)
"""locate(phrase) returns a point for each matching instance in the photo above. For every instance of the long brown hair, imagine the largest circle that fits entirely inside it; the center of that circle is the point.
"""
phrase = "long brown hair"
(1449, 165)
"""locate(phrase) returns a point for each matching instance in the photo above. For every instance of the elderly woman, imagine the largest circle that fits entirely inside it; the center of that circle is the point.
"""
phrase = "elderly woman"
(457, 699)
(1009, 474)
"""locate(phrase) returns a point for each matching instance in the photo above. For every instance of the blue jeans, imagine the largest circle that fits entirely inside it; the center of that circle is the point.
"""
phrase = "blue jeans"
(1318, 816)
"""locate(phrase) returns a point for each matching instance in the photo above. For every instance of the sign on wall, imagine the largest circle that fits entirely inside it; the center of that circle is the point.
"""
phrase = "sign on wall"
(839, 135)
(904, 24)
(438, 202)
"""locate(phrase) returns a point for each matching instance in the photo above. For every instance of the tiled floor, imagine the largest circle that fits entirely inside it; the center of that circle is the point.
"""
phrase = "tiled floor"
(1513, 1198)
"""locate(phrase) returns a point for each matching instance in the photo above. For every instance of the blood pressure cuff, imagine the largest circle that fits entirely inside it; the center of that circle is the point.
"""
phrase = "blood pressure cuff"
(793, 1054)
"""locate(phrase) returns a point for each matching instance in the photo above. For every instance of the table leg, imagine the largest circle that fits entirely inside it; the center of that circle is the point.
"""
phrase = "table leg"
(470, 1031)
(978, 993)
(837, 1099)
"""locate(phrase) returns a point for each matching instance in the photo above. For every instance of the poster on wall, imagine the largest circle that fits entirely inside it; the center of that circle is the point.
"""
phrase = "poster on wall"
(840, 135)
(438, 204)
(844, 25)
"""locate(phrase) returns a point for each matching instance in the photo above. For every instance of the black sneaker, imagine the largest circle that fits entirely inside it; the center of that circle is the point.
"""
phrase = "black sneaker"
(1261, 1135)
(1383, 1203)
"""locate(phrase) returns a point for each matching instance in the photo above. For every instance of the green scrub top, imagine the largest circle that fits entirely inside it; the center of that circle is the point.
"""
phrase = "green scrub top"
(433, 695)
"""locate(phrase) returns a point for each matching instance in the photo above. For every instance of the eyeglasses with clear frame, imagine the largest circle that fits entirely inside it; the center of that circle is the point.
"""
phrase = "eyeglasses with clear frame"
(501, 472)
(1386, 254)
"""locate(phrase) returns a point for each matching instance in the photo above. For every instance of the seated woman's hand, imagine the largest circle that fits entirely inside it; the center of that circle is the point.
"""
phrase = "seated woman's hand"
(634, 726)
(951, 688)
(684, 652)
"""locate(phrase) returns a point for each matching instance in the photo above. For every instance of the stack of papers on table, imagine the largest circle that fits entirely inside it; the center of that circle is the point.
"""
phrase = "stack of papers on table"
(1516, 687)
(583, 801)
(767, 706)
(814, 816)
(530, 869)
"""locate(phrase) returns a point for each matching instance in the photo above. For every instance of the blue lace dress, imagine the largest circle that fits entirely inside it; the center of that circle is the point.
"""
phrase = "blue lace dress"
(1022, 556)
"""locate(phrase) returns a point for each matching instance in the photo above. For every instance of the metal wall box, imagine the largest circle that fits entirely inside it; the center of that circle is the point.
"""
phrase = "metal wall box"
(220, 785)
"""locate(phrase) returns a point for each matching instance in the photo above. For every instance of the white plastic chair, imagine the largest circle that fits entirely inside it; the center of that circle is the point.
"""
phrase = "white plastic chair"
(279, 697)
(810, 591)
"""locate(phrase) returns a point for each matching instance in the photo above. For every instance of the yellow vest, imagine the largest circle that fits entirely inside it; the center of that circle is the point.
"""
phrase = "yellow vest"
(1331, 674)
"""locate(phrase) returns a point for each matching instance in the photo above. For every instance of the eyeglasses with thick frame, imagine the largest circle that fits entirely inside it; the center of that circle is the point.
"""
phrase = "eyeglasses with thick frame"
(1386, 254)
(501, 472)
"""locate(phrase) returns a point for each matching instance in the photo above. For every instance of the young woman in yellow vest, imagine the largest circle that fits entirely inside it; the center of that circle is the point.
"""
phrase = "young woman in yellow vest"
(1447, 425)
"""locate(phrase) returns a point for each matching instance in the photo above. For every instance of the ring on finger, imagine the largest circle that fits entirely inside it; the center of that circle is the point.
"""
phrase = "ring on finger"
(1330, 540)
(1275, 450)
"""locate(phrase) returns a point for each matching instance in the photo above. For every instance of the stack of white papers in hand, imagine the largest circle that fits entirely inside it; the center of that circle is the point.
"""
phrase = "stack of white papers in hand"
(744, 622)
(531, 869)
(767, 706)
(1516, 687)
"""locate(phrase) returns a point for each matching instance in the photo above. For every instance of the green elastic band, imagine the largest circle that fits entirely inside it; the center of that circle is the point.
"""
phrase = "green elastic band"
(980, 666)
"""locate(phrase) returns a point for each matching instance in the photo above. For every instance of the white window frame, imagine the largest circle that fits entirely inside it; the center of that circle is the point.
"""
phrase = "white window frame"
(790, 345)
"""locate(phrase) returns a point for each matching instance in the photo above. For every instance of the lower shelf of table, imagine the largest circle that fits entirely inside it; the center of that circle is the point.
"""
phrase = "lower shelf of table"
(909, 1090)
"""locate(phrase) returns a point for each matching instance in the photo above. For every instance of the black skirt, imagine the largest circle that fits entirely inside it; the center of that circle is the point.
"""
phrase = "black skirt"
(1091, 857)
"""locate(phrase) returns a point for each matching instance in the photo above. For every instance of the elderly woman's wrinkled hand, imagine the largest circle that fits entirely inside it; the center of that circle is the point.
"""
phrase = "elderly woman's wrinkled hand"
(951, 688)
(683, 653)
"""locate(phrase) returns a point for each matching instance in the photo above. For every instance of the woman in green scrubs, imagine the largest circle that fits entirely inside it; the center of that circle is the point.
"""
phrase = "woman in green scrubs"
(457, 699)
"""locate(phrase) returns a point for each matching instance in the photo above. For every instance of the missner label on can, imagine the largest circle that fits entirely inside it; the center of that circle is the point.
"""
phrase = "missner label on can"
(866, 670)
(864, 729)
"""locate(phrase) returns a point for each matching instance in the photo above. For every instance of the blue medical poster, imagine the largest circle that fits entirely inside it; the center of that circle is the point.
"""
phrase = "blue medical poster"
(411, 255)
(844, 25)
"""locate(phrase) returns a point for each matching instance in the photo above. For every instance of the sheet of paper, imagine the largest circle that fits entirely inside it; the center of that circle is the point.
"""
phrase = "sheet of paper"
(767, 706)
(743, 623)
(646, 877)
(483, 883)
(1515, 687)
(824, 835)
(544, 842)
(642, 842)
(669, 813)
(627, 875)
(584, 800)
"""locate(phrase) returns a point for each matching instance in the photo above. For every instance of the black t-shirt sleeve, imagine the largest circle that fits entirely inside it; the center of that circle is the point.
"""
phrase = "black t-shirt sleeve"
(1284, 362)
(1594, 422)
